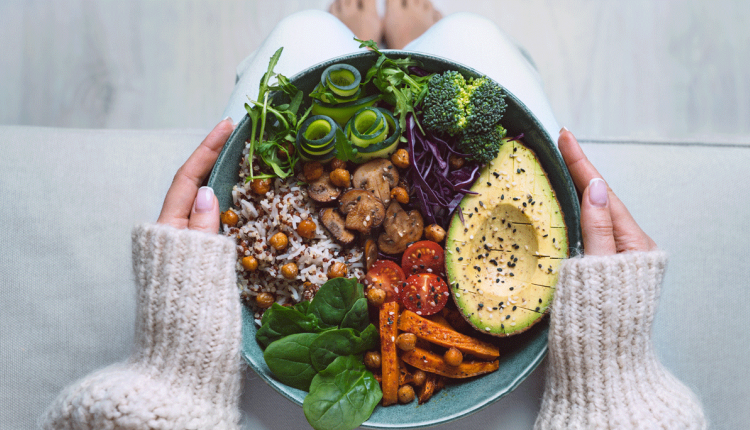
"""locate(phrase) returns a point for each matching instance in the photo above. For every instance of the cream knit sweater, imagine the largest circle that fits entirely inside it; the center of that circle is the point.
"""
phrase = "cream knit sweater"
(185, 370)
(602, 372)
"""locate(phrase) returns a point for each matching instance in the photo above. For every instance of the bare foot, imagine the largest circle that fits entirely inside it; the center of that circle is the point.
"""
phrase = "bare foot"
(405, 20)
(361, 16)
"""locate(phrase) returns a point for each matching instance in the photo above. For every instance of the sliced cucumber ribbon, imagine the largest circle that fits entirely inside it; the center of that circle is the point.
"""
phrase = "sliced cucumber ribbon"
(342, 79)
(316, 138)
(380, 138)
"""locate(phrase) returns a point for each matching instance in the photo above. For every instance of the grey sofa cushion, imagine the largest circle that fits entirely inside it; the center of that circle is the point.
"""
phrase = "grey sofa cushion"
(68, 199)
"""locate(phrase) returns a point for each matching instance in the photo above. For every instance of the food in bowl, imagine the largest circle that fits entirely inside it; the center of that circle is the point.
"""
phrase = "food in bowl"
(375, 183)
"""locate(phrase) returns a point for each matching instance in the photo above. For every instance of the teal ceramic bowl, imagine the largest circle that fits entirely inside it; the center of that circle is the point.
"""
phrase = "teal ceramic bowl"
(522, 353)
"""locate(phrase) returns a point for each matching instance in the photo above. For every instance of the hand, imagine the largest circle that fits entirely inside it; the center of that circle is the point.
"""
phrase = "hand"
(186, 205)
(607, 226)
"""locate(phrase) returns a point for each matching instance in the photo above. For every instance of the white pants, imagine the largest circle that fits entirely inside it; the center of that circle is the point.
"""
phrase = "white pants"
(313, 36)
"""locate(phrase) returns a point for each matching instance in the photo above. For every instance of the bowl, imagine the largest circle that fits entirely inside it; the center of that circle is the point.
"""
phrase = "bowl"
(523, 352)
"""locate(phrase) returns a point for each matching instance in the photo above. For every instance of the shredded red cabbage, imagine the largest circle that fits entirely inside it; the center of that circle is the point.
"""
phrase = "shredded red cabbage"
(438, 189)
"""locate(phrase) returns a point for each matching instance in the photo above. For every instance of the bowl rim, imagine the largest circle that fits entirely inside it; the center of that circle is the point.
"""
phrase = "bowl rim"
(574, 242)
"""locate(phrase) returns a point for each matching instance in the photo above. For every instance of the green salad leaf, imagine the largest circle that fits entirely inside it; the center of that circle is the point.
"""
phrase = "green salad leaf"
(289, 360)
(342, 342)
(334, 299)
(342, 396)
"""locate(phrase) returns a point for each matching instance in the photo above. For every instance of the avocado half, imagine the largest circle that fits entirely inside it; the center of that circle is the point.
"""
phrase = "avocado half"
(502, 260)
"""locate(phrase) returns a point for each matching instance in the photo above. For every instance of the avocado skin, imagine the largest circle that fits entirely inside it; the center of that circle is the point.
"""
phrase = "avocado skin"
(502, 260)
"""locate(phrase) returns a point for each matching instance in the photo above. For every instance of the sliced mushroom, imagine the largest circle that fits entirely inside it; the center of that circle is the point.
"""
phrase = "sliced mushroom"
(370, 254)
(334, 222)
(362, 210)
(378, 177)
(322, 189)
(401, 229)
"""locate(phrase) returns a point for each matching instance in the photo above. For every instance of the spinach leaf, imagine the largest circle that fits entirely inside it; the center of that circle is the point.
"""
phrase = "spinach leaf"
(289, 360)
(334, 299)
(357, 317)
(342, 396)
(279, 321)
(342, 342)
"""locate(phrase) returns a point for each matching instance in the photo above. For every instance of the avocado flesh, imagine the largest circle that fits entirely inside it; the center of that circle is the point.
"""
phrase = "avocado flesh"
(502, 261)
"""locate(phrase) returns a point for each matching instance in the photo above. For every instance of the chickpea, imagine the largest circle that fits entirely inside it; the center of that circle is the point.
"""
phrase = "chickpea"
(338, 164)
(289, 270)
(419, 377)
(250, 263)
(406, 341)
(400, 195)
(406, 394)
(453, 357)
(340, 178)
(376, 296)
(456, 162)
(261, 186)
(279, 241)
(400, 159)
(289, 151)
(337, 270)
(434, 233)
(264, 300)
(229, 218)
(312, 170)
(306, 228)
(372, 359)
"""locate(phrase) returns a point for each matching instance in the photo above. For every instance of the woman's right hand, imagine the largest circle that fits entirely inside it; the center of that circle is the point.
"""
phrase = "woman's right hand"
(607, 226)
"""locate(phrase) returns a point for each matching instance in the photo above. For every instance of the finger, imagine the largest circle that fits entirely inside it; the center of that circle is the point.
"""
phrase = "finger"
(205, 214)
(628, 235)
(596, 222)
(579, 166)
(179, 200)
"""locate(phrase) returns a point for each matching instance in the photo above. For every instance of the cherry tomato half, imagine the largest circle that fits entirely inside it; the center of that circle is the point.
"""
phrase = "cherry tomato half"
(424, 293)
(387, 276)
(424, 256)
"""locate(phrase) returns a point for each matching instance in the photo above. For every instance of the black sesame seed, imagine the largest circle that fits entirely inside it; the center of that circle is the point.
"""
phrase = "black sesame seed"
(507, 317)
(515, 307)
(461, 259)
(537, 309)
(524, 204)
(502, 196)
(489, 184)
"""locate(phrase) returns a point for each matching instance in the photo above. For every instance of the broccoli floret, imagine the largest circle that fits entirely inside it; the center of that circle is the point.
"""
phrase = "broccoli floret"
(444, 106)
(482, 146)
(486, 105)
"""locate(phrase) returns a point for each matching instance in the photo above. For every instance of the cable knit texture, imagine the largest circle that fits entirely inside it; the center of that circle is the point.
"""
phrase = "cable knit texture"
(185, 370)
(603, 372)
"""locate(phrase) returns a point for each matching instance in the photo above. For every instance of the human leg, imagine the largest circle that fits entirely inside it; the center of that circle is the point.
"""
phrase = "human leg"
(296, 34)
(478, 43)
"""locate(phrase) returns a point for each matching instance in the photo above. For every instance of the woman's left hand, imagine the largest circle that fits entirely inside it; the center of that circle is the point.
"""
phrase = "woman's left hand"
(187, 204)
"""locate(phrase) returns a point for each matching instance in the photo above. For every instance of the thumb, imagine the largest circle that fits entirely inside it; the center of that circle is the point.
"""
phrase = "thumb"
(205, 213)
(596, 221)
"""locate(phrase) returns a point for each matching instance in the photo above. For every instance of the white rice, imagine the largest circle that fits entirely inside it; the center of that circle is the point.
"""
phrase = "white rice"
(281, 210)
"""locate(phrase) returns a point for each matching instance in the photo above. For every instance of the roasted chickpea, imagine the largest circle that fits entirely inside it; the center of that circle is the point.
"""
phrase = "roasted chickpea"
(400, 159)
(264, 300)
(406, 394)
(453, 357)
(372, 359)
(312, 170)
(279, 241)
(456, 162)
(289, 270)
(306, 228)
(434, 233)
(375, 296)
(337, 270)
(229, 218)
(400, 195)
(419, 377)
(250, 263)
(406, 341)
(338, 164)
(289, 151)
(340, 178)
(261, 186)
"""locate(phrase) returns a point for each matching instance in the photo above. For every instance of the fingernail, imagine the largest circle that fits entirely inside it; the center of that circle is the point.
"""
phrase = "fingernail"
(204, 201)
(598, 192)
(563, 129)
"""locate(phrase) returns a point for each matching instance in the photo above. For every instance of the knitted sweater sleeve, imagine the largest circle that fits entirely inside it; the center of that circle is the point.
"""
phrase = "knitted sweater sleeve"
(603, 372)
(184, 372)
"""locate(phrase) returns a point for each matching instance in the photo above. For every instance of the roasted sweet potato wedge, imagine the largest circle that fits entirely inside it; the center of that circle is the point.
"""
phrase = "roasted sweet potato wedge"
(431, 362)
(388, 354)
(443, 336)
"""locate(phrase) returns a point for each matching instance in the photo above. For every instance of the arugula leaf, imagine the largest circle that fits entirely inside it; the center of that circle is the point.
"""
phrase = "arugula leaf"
(345, 150)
